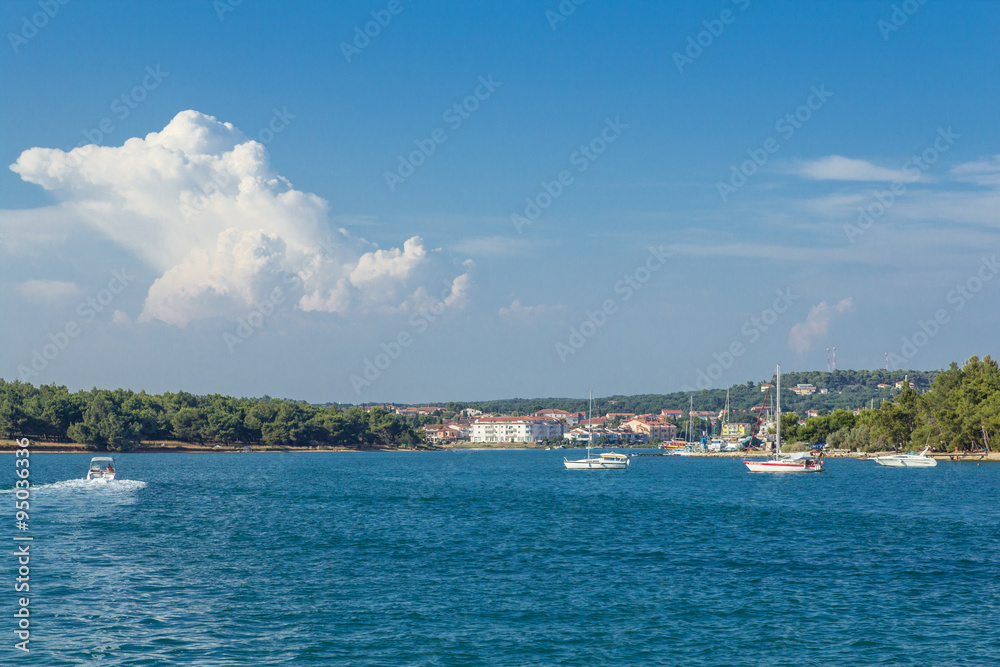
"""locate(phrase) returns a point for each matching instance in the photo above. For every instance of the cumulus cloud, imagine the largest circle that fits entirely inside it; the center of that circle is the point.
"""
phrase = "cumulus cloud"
(200, 202)
(392, 264)
(840, 168)
(817, 323)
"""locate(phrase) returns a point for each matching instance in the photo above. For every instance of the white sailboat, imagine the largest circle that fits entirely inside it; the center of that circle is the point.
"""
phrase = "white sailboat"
(799, 462)
(608, 461)
(908, 460)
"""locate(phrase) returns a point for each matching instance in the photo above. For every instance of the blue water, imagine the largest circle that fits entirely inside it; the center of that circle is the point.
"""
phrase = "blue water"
(505, 558)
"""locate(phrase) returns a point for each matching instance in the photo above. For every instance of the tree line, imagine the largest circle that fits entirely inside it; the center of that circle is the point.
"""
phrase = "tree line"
(121, 419)
(847, 390)
(960, 411)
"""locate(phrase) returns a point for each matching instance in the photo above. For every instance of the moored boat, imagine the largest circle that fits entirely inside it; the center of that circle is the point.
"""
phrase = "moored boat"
(606, 461)
(907, 460)
(798, 462)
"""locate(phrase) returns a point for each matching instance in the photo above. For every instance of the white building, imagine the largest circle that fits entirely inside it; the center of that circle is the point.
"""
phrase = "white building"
(515, 429)
(651, 428)
(571, 418)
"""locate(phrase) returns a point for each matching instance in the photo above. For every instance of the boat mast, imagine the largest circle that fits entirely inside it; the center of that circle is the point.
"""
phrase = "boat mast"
(725, 421)
(777, 439)
(590, 424)
(690, 442)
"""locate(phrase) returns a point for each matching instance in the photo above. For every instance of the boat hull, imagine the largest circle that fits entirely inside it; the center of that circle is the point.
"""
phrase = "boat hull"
(595, 464)
(101, 475)
(906, 462)
(783, 466)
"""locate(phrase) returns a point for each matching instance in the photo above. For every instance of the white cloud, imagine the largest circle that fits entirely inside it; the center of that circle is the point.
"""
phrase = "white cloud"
(817, 323)
(982, 172)
(395, 264)
(199, 202)
(840, 168)
(454, 295)
(48, 290)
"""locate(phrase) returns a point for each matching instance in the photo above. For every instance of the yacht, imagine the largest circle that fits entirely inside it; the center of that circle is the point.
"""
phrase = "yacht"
(908, 460)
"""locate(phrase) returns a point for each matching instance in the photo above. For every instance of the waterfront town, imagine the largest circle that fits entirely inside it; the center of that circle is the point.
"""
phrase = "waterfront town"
(613, 428)
(621, 428)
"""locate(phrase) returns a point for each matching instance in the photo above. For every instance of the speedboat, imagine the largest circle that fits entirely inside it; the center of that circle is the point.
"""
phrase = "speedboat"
(908, 460)
(102, 467)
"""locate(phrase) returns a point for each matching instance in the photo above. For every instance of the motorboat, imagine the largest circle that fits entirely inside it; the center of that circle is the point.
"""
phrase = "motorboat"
(798, 462)
(102, 467)
(908, 460)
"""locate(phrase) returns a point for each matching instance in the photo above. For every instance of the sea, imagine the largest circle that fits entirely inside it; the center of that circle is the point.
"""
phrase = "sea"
(501, 557)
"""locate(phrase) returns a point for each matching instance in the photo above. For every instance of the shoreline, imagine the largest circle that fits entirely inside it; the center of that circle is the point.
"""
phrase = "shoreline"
(43, 447)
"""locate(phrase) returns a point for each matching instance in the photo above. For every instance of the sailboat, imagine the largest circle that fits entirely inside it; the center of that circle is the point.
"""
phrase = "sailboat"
(609, 461)
(799, 462)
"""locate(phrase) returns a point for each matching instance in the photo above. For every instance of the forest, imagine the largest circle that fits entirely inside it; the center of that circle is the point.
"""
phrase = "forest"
(960, 411)
(120, 419)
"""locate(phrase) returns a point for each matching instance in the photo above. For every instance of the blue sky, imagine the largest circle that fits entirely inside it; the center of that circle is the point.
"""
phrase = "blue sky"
(252, 199)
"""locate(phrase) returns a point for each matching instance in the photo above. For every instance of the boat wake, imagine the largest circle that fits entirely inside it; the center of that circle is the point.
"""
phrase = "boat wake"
(97, 486)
